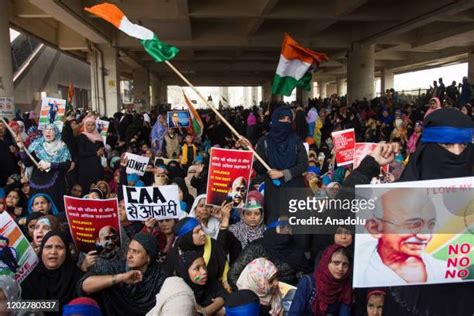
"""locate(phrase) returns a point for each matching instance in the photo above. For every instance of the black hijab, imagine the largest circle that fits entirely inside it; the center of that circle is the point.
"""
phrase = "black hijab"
(59, 284)
(186, 196)
(184, 242)
(204, 294)
(281, 141)
(430, 160)
(281, 247)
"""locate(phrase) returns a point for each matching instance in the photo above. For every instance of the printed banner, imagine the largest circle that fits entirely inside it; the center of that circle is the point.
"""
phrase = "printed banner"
(229, 176)
(420, 232)
(94, 224)
(18, 257)
(52, 111)
(177, 119)
(7, 108)
(344, 145)
(103, 129)
(158, 202)
(136, 164)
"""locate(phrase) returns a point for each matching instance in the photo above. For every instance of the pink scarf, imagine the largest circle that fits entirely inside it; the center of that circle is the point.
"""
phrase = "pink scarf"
(94, 136)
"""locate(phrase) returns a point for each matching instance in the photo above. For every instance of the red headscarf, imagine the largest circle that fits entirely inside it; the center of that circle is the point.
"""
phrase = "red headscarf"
(328, 289)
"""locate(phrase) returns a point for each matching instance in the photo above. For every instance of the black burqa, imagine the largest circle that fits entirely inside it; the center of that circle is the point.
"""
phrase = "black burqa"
(59, 284)
(204, 294)
(431, 161)
(216, 264)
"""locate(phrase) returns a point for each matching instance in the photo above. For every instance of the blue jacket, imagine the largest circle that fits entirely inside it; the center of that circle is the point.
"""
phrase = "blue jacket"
(305, 296)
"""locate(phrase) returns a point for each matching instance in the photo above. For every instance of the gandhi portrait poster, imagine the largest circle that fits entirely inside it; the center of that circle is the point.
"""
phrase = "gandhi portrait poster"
(420, 232)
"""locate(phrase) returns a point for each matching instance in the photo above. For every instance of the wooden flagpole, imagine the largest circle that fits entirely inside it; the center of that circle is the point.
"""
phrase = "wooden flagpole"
(15, 138)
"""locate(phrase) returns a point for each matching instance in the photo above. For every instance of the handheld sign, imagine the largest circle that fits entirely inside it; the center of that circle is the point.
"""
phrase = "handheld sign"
(136, 164)
(152, 202)
(344, 145)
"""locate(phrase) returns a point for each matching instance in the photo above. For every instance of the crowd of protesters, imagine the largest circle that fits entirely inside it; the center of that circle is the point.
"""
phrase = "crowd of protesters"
(223, 260)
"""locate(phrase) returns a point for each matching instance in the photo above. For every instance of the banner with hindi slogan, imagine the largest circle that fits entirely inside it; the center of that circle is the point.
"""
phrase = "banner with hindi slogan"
(94, 224)
(103, 129)
(419, 232)
(7, 108)
(229, 176)
(17, 256)
(160, 202)
(52, 111)
(136, 164)
(344, 145)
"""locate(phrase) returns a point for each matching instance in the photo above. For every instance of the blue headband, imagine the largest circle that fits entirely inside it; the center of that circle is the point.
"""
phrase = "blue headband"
(250, 309)
(81, 309)
(447, 135)
(278, 223)
(187, 227)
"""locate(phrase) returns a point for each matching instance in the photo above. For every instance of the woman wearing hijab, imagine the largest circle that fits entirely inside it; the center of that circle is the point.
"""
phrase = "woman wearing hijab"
(311, 120)
(90, 150)
(252, 128)
(42, 203)
(185, 199)
(414, 137)
(56, 275)
(278, 246)
(301, 126)
(328, 290)
(435, 104)
(203, 213)
(208, 292)
(445, 151)
(54, 162)
(190, 236)
(251, 225)
(158, 135)
(261, 277)
(286, 155)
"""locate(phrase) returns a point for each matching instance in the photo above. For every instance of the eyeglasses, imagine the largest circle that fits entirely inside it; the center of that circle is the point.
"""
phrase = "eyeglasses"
(414, 226)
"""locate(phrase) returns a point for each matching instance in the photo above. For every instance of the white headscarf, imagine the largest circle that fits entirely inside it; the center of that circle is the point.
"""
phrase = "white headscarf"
(213, 225)
(175, 298)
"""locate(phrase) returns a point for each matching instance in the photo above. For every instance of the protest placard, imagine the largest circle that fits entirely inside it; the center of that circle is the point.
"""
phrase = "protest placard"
(94, 224)
(158, 202)
(229, 176)
(52, 111)
(344, 145)
(420, 232)
(136, 164)
(103, 128)
(7, 107)
(178, 119)
(18, 257)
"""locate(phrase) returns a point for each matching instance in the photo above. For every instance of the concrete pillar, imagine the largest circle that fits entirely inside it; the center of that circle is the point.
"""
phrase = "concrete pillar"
(387, 80)
(267, 92)
(113, 102)
(6, 72)
(322, 89)
(341, 87)
(224, 93)
(155, 91)
(163, 98)
(141, 89)
(305, 95)
(97, 81)
(470, 67)
(360, 72)
(254, 93)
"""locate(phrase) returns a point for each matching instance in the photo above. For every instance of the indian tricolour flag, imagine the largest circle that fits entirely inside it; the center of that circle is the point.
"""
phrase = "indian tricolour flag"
(196, 122)
(157, 49)
(293, 67)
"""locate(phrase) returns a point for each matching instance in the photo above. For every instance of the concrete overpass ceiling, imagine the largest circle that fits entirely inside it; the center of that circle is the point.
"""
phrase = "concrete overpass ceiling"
(242, 38)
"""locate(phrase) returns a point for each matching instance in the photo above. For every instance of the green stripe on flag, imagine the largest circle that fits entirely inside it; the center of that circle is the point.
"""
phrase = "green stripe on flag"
(197, 127)
(285, 85)
(159, 50)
